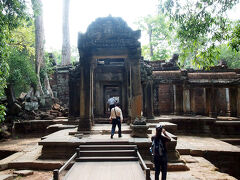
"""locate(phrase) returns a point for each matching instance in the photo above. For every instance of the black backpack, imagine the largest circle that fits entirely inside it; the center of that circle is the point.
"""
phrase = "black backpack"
(156, 148)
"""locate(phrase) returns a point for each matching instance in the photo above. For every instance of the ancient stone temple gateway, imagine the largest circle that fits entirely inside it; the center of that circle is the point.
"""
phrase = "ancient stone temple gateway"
(110, 65)
(199, 109)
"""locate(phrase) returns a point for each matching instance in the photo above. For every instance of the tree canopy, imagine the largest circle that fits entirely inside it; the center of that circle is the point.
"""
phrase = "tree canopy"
(160, 37)
(192, 28)
(201, 25)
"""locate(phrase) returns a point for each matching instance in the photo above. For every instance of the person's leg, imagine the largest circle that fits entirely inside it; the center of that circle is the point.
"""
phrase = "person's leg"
(163, 163)
(119, 128)
(157, 167)
(113, 127)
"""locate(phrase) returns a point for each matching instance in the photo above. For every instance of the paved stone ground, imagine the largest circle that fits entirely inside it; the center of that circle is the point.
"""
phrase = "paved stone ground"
(200, 168)
(196, 143)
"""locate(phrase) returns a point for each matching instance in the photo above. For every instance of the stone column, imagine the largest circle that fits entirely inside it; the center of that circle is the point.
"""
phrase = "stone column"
(144, 95)
(192, 101)
(233, 100)
(211, 102)
(91, 92)
(149, 100)
(228, 113)
(186, 101)
(85, 98)
(238, 102)
(178, 99)
(205, 101)
(136, 90)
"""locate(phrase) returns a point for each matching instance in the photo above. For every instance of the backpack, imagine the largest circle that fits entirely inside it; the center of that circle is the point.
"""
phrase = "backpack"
(156, 149)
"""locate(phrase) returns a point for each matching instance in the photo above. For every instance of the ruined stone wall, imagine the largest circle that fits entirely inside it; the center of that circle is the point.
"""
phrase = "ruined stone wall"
(221, 101)
(198, 101)
(59, 83)
(165, 97)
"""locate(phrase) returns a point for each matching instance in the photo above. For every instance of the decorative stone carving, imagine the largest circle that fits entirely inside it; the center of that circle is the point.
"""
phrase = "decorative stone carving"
(139, 128)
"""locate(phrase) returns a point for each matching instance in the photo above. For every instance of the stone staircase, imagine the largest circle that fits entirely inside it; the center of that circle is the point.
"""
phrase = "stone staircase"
(233, 141)
(107, 151)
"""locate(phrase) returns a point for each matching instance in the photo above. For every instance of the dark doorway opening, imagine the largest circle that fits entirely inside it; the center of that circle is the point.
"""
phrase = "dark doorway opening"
(111, 91)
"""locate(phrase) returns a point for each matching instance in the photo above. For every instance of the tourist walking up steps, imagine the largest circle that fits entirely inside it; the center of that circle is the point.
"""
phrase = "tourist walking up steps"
(159, 152)
(116, 118)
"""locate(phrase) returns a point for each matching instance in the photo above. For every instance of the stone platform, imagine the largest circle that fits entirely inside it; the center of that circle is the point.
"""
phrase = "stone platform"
(28, 153)
(202, 125)
(62, 145)
(223, 155)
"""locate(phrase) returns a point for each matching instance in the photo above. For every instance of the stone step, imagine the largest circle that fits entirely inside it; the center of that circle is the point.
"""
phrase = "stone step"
(107, 153)
(226, 128)
(107, 147)
(101, 121)
(105, 120)
(176, 166)
(7, 177)
(228, 122)
(233, 141)
(48, 165)
(97, 159)
(126, 131)
(57, 127)
(109, 142)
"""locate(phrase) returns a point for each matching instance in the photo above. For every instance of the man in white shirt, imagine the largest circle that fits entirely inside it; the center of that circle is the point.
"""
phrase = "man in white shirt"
(116, 118)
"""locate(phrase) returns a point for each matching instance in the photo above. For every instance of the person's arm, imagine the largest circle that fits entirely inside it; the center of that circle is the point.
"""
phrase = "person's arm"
(165, 134)
(121, 115)
(110, 118)
(152, 138)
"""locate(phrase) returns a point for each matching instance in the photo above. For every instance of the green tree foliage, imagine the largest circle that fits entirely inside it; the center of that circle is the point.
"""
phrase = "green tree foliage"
(232, 58)
(200, 25)
(12, 12)
(235, 37)
(22, 75)
(160, 37)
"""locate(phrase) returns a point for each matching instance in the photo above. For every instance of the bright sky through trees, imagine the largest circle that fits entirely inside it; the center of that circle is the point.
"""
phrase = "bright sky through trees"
(82, 13)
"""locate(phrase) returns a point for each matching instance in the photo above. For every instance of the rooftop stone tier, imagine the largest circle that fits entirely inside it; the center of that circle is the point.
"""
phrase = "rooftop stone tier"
(109, 32)
(200, 78)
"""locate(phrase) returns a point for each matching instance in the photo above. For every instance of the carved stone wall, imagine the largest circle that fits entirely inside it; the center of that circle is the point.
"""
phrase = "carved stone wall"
(59, 84)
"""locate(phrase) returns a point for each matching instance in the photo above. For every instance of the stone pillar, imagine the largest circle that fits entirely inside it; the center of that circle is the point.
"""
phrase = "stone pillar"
(233, 100)
(238, 102)
(136, 90)
(91, 93)
(192, 101)
(148, 100)
(228, 112)
(186, 101)
(204, 101)
(211, 102)
(85, 98)
(144, 92)
(178, 99)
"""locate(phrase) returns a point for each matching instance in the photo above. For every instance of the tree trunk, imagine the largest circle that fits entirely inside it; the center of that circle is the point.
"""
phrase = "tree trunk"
(39, 47)
(47, 85)
(150, 40)
(39, 40)
(9, 92)
(66, 49)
